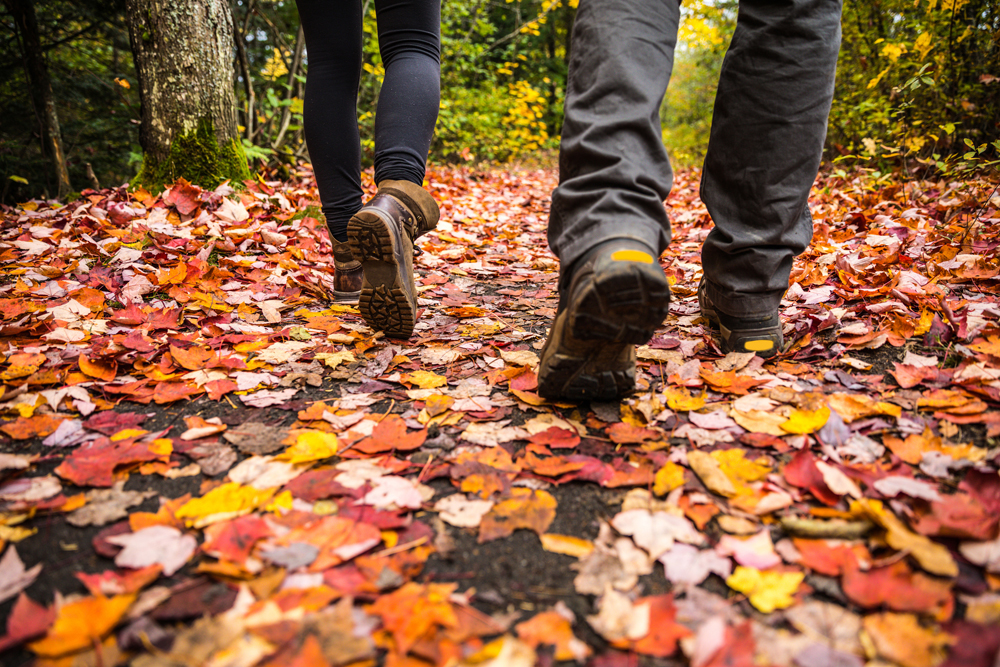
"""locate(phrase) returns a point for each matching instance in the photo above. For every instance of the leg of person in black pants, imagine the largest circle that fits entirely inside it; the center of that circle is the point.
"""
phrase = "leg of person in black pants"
(373, 244)
(608, 224)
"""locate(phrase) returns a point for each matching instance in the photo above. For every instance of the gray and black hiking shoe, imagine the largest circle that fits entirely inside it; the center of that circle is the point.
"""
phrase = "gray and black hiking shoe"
(761, 335)
(381, 237)
(615, 297)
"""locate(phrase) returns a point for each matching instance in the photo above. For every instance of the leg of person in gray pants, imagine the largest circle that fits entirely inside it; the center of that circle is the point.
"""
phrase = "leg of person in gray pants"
(608, 223)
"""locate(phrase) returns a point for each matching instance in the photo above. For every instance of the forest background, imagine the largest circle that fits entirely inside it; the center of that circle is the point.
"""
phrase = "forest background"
(918, 87)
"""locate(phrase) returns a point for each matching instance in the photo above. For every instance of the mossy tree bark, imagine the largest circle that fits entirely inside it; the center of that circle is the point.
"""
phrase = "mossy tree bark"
(23, 12)
(183, 51)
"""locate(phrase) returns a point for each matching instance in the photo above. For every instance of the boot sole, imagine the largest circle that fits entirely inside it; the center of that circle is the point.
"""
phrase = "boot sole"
(621, 306)
(591, 377)
(383, 302)
(625, 303)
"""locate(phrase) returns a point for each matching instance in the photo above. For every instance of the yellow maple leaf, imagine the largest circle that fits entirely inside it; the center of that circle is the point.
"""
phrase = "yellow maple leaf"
(767, 590)
(79, 624)
(740, 470)
(424, 379)
(310, 446)
(668, 478)
(680, 399)
(761, 421)
(803, 422)
(334, 359)
(223, 502)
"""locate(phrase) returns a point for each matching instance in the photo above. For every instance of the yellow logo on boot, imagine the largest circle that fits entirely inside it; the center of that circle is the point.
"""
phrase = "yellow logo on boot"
(632, 256)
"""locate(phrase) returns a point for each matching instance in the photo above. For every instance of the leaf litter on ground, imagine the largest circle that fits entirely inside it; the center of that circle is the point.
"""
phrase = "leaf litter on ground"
(304, 502)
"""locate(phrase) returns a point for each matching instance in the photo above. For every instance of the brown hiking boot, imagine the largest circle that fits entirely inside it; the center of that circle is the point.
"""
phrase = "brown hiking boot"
(615, 298)
(381, 236)
(347, 273)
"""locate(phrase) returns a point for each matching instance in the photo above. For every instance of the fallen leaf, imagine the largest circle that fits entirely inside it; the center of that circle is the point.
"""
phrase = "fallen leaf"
(902, 639)
(767, 590)
(200, 428)
(310, 446)
(107, 505)
(463, 512)
(553, 628)
(14, 578)
(526, 508)
(933, 557)
(27, 620)
(618, 619)
(686, 564)
(156, 545)
(221, 503)
(711, 475)
(79, 624)
(566, 545)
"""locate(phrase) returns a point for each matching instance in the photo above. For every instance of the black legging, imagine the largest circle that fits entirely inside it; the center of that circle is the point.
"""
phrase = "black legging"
(409, 33)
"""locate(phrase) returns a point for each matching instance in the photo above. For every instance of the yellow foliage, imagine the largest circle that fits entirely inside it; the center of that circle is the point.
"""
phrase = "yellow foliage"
(223, 502)
(310, 446)
(275, 67)
(668, 478)
(523, 120)
(923, 45)
(740, 471)
(424, 379)
(893, 51)
(767, 590)
(803, 422)
(679, 399)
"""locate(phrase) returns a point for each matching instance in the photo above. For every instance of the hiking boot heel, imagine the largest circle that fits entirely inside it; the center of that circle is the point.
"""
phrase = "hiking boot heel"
(760, 335)
(625, 302)
(584, 370)
(763, 341)
(388, 293)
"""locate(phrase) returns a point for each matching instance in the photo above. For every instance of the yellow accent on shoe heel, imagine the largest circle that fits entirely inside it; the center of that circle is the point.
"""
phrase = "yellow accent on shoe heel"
(759, 345)
(632, 256)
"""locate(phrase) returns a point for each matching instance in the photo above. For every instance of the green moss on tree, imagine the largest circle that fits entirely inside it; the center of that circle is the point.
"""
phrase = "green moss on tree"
(197, 157)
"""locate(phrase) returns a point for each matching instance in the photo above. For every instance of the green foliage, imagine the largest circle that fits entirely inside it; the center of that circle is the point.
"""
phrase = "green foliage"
(503, 73)
(917, 85)
(87, 51)
(197, 157)
(705, 30)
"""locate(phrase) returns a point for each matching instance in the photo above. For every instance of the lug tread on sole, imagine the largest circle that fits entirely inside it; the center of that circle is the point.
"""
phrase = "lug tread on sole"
(568, 377)
(627, 306)
(383, 306)
(387, 310)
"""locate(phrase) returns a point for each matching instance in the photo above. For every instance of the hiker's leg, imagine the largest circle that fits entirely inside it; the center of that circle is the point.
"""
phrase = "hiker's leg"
(613, 169)
(333, 45)
(768, 130)
(608, 224)
(409, 33)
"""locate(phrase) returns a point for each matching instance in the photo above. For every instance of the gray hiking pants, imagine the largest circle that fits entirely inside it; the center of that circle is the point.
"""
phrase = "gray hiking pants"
(767, 137)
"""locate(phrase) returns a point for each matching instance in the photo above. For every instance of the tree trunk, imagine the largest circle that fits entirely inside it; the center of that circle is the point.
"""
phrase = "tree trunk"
(183, 51)
(23, 12)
